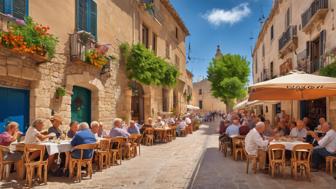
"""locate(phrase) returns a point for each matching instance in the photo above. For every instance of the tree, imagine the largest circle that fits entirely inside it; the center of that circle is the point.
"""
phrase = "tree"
(228, 75)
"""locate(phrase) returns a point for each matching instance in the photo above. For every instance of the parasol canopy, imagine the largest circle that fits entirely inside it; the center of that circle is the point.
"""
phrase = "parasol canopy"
(294, 86)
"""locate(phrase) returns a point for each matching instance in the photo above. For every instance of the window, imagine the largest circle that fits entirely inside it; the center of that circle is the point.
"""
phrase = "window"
(272, 71)
(17, 8)
(176, 33)
(200, 91)
(177, 62)
(167, 50)
(165, 100)
(272, 32)
(200, 104)
(154, 43)
(86, 16)
(145, 36)
(287, 18)
(263, 50)
(256, 64)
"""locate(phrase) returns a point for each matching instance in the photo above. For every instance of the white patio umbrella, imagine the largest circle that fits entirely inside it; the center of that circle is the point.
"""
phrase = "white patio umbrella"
(294, 86)
(240, 105)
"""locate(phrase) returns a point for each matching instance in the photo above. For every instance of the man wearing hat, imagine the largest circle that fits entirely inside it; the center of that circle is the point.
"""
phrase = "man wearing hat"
(56, 121)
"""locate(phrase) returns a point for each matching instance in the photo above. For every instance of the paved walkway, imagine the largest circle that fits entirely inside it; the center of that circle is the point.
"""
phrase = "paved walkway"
(217, 171)
(165, 166)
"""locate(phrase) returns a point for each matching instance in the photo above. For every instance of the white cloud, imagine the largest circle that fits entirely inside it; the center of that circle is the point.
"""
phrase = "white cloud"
(220, 16)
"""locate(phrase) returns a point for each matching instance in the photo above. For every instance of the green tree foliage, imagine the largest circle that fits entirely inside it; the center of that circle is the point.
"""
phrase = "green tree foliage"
(228, 76)
(329, 70)
(145, 67)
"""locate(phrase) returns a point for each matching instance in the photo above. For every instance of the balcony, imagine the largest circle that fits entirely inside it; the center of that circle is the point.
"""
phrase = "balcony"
(288, 41)
(5, 22)
(152, 10)
(314, 14)
(80, 43)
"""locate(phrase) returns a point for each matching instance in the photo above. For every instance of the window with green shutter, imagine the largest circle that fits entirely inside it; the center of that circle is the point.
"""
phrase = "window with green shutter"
(17, 8)
(86, 16)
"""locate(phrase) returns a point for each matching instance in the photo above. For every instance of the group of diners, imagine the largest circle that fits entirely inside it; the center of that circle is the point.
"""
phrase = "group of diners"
(259, 133)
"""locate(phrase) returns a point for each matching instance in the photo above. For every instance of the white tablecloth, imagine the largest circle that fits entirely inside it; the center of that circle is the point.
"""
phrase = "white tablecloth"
(54, 148)
(288, 145)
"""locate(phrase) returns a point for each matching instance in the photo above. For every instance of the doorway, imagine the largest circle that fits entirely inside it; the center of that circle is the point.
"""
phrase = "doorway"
(137, 104)
(81, 105)
(314, 109)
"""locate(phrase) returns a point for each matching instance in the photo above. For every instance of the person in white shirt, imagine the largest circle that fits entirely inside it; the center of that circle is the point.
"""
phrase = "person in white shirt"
(299, 131)
(321, 121)
(188, 120)
(181, 125)
(253, 139)
(94, 126)
(326, 146)
(159, 123)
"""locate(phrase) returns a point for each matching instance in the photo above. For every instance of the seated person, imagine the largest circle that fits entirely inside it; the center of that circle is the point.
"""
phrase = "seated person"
(102, 132)
(281, 129)
(299, 131)
(268, 130)
(56, 121)
(181, 125)
(83, 136)
(35, 136)
(149, 124)
(244, 129)
(6, 138)
(159, 123)
(117, 131)
(233, 129)
(321, 122)
(253, 139)
(94, 126)
(326, 145)
(133, 129)
(73, 129)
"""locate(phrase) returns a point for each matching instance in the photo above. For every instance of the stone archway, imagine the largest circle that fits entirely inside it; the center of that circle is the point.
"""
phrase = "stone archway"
(91, 83)
(137, 102)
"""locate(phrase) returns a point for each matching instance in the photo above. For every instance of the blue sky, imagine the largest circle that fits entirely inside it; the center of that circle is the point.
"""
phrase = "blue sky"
(228, 23)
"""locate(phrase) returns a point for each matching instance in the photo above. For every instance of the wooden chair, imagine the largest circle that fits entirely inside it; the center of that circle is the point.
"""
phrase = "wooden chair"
(103, 153)
(250, 158)
(277, 159)
(115, 150)
(4, 164)
(149, 136)
(135, 140)
(330, 160)
(224, 144)
(39, 164)
(301, 157)
(183, 132)
(170, 135)
(74, 162)
(237, 148)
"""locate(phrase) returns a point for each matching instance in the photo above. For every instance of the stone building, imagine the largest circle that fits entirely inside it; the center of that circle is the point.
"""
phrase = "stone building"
(297, 35)
(28, 85)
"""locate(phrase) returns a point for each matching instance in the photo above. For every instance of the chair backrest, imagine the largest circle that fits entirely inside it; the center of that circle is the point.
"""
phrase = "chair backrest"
(116, 142)
(276, 152)
(83, 147)
(302, 152)
(149, 131)
(32, 148)
(136, 138)
(104, 144)
(2, 150)
(237, 142)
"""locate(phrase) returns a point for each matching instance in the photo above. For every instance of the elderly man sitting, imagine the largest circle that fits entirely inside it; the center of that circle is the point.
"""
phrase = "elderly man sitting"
(326, 145)
(6, 138)
(299, 131)
(133, 129)
(181, 126)
(95, 128)
(159, 123)
(233, 129)
(253, 139)
(83, 136)
(117, 131)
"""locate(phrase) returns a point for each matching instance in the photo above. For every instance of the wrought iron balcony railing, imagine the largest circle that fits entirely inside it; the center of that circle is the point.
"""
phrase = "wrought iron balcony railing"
(316, 10)
(288, 36)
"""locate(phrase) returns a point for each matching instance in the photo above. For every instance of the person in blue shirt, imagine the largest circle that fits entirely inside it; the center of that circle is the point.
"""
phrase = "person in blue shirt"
(133, 129)
(83, 136)
(233, 129)
(117, 131)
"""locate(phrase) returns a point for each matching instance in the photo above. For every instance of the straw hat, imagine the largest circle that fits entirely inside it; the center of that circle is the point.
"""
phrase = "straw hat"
(56, 117)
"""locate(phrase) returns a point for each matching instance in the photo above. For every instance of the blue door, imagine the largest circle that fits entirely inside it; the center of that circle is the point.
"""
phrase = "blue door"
(81, 105)
(14, 106)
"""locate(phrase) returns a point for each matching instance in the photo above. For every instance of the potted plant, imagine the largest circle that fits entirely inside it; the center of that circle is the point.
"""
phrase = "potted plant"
(60, 92)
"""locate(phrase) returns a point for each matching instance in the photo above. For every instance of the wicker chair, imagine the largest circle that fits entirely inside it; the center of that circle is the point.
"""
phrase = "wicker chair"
(4, 163)
(31, 165)
(74, 162)
(301, 158)
(103, 153)
(277, 158)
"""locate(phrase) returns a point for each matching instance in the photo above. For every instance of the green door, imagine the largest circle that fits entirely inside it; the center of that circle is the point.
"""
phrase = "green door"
(81, 105)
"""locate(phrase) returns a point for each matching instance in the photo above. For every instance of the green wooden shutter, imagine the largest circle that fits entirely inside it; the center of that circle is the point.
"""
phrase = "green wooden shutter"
(81, 12)
(93, 18)
(2, 6)
(19, 8)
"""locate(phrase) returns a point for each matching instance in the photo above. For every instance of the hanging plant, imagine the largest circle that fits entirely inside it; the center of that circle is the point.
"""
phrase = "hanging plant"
(97, 56)
(145, 67)
(60, 92)
(189, 96)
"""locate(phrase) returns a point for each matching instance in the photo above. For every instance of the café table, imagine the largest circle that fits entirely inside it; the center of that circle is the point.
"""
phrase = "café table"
(161, 134)
(288, 144)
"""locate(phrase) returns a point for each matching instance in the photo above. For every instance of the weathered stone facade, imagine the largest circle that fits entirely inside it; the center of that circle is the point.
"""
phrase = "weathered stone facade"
(292, 38)
(118, 21)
